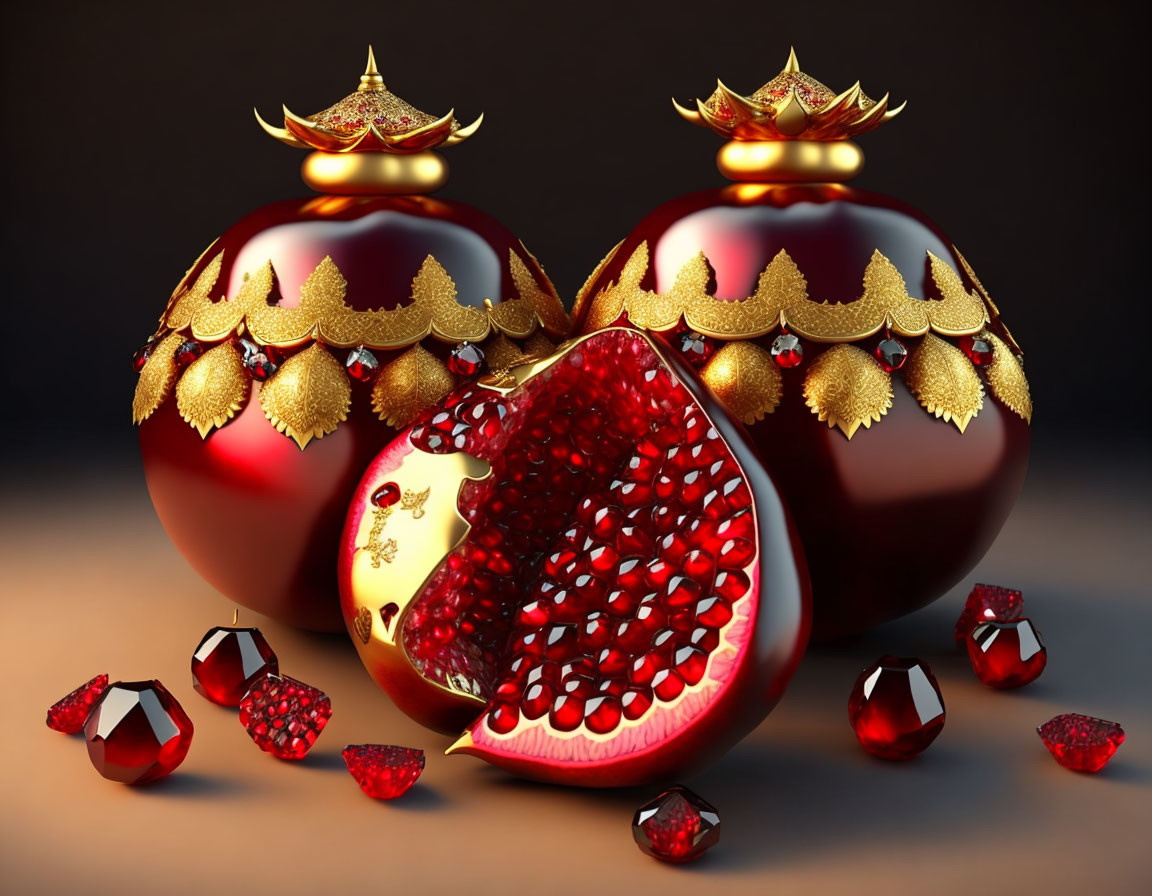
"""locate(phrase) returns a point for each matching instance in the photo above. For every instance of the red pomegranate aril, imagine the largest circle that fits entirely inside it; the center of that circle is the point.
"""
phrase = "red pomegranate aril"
(665, 487)
(1081, 743)
(567, 713)
(731, 584)
(561, 642)
(658, 573)
(739, 525)
(606, 522)
(667, 685)
(137, 732)
(694, 487)
(633, 540)
(284, 716)
(698, 565)
(987, 603)
(596, 633)
(538, 699)
(636, 702)
(630, 574)
(580, 686)
(896, 708)
(383, 772)
(68, 714)
(690, 664)
(621, 602)
(1006, 654)
(735, 553)
(602, 713)
(707, 639)
(503, 717)
(677, 826)
(644, 668)
(560, 564)
(612, 661)
(387, 495)
(603, 559)
(681, 592)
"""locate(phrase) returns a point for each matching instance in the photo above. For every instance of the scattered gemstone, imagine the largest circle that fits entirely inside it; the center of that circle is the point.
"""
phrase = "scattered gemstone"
(259, 361)
(987, 603)
(466, 359)
(137, 732)
(978, 349)
(383, 772)
(68, 714)
(228, 661)
(891, 353)
(787, 350)
(187, 352)
(896, 708)
(387, 495)
(1006, 654)
(696, 348)
(142, 354)
(284, 716)
(1081, 743)
(678, 826)
(361, 364)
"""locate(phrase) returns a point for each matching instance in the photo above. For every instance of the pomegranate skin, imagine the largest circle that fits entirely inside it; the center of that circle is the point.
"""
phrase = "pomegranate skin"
(255, 515)
(896, 516)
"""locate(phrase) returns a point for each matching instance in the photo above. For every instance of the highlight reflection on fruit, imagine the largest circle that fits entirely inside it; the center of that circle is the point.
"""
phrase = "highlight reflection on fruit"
(878, 382)
(312, 331)
(581, 562)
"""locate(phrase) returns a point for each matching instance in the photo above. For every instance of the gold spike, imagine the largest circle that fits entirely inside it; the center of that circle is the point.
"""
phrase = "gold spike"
(848, 98)
(791, 66)
(877, 111)
(371, 80)
(791, 118)
(462, 134)
(280, 134)
(461, 745)
(892, 113)
(688, 114)
(737, 101)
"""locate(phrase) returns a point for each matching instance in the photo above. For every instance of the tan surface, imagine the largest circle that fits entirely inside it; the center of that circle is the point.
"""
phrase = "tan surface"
(90, 584)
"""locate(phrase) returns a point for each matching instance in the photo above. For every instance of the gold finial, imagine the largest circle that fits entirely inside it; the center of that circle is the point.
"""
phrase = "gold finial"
(235, 615)
(371, 79)
(791, 66)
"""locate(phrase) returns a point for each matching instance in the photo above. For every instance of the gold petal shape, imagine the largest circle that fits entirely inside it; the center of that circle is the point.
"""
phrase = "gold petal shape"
(414, 381)
(944, 381)
(213, 389)
(538, 346)
(746, 379)
(434, 290)
(308, 397)
(156, 378)
(501, 353)
(1006, 378)
(189, 302)
(585, 292)
(547, 305)
(847, 387)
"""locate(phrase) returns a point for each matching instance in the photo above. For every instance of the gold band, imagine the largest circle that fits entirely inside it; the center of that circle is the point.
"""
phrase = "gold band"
(374, 173)
(794, 161)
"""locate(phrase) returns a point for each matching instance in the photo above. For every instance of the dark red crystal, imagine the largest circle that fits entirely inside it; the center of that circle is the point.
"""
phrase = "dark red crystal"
(891, 353)
(787, 350)
(977, 348)
(466, 359)
(137, 732)
(361, 364)
(987, 603)
(228, 661)
(1081, 743)
(68, 714)
(284, 716)
(142, 354)
(383, 772)
(387, 495)
(678, 826)
(259, 361)
(1006, 654)
(187, 352)
(696, 348)
(896, 708)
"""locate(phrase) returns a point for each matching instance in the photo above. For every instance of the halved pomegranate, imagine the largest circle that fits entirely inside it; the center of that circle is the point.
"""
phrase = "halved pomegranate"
(580, 562)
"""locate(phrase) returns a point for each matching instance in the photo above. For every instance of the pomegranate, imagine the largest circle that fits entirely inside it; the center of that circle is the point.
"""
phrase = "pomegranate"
(581, 563)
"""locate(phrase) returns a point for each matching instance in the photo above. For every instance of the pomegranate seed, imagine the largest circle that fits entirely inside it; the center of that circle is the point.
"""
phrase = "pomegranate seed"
(896, 708)
(284, 716)
(383, 772)
(987, 603)
(137, 732)
(1006, 654)
(677, 826)
(68, 714)
(567, 713)
(1081, 743)
(602, 713)
(228, 661)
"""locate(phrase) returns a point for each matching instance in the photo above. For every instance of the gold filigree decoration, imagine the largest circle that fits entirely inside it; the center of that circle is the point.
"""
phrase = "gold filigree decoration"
(585, 292)
(781, 298)
(308, 397)
(381, 550)
(363, 624)
(322, 313)
(746, 379)
(993, 311)
(1006, 378)
(538, 346)
(415, 501)
(213, 389)
(847, 387)
(944, 381)
(414, 381)
(156, 378)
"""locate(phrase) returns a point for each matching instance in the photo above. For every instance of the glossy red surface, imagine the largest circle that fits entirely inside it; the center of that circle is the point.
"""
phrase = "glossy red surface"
(228, 661)
(258, 517)
(1081, 743)
(896, 708)
(895, 517)
(137, 732)
(284, 716)
(1006, 654)
(68, 714)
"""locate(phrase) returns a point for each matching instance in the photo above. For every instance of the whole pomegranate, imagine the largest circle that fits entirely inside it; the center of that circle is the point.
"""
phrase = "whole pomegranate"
(308, 334)
(580, 562)
(875, 376)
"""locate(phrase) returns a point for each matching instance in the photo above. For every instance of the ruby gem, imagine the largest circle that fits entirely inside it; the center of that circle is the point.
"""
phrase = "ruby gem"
(896, 708)
(978, 349)
(137, 732)
(68, 714)
(787, 350)
(987, 603)
(387, 495)
(677, 826)
(259, 361)
(187, 352)
(284, 716)
(891, 354)
(1081, 743)
(383, 772)
(142, 354)
(1006, 654)
(696, 348)
(361, 364)
(466, 359)
(228, 661)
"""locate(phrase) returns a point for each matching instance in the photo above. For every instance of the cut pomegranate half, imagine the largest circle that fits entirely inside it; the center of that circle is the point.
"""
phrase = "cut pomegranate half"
(587, 569)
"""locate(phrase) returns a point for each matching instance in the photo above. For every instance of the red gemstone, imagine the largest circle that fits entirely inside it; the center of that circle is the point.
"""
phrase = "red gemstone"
(787, 350)
(387, 495)
(260, 361)
(466, 359)
(383, 772)
(987, 603)
(977, 348)
(1006, 654)
(677, 826)
(896, 708)
(68, 714)
(142, 354)
(187, 352)
(891, 354)
(696, 348)
(1081, 743)
(228, 661)
(284, 716)
(137, 732)
(361, 364)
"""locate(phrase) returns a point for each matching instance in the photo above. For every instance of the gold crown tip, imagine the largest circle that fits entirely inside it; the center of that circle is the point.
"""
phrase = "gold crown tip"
(791, 66)
(370, 68)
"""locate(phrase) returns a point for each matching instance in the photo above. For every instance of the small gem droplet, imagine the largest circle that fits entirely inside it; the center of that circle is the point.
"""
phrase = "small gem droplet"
(977, 348)
(787, 350)
(891, 354)
(466, 359)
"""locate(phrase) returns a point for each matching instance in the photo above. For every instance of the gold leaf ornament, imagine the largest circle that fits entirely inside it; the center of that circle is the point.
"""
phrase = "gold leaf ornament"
(746, 379)
(944, 381)
(213, 389)
(1006, 377)
(308, 397)
(414, 381)
(847, 387)
(501, 353)
(156, 378)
